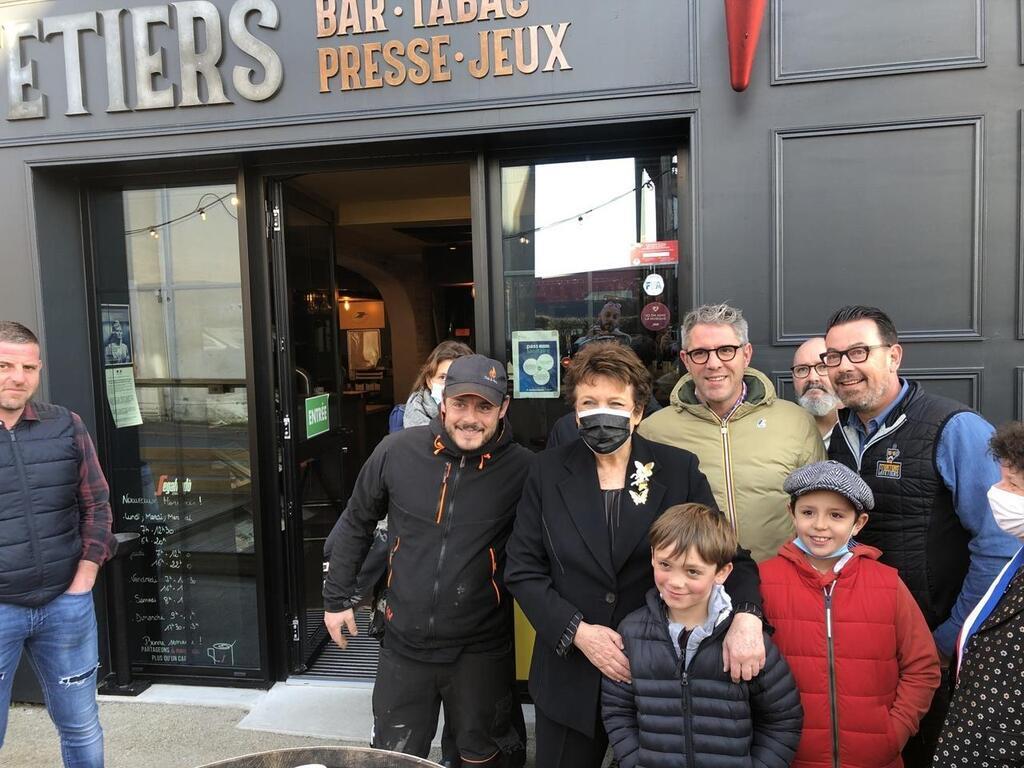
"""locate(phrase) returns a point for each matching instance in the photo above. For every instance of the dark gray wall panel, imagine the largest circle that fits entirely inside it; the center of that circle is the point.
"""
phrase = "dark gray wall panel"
(879, 214)
(1018, 389)
(1020, 211)
(814, 40)
(960, 384)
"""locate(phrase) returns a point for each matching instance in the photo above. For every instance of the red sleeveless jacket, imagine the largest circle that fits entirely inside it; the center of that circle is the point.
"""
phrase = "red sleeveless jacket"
(879, 674)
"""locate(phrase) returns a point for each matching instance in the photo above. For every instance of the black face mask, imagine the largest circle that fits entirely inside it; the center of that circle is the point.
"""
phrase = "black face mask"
(605, 430)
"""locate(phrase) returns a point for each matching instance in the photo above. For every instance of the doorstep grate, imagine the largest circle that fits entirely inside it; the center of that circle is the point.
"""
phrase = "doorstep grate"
(357, 662)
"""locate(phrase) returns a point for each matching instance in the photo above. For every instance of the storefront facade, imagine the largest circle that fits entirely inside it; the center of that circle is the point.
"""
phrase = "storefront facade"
(197, 190)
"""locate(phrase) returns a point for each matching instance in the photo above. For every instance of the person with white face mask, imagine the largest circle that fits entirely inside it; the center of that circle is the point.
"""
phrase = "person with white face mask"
(427, 391)
(985, 724)
(579, 560)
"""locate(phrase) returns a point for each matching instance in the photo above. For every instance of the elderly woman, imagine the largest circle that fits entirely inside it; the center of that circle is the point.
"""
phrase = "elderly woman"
(983, 726)
(578, 559)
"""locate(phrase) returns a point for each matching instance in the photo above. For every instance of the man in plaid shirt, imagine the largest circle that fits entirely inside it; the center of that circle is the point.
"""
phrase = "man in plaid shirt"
(54, 536)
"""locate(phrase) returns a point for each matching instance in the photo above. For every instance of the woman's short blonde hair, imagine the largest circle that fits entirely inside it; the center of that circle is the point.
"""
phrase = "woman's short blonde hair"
(611, 359)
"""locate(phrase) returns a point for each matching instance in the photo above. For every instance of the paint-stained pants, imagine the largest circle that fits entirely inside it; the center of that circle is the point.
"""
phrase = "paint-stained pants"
(61, 643)
(478, 690)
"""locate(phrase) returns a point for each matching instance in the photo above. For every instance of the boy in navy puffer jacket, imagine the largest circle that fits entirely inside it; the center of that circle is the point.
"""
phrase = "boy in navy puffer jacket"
(681, 708)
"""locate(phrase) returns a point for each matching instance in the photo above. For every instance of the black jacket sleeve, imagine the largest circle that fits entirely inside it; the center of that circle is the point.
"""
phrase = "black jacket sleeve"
(776, 711)
(350, 539)
(618, 711)
(528, 568)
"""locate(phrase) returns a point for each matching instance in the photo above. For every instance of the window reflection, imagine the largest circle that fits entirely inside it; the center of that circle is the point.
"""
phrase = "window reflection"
(591, 251)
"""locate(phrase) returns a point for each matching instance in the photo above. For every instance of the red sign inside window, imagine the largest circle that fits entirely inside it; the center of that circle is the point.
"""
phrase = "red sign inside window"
(658, 252)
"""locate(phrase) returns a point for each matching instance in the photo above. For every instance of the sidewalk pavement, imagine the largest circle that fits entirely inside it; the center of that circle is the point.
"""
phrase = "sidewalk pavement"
(186, 726)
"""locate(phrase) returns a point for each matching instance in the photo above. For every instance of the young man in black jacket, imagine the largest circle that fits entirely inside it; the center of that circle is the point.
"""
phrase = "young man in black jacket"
(449, 491)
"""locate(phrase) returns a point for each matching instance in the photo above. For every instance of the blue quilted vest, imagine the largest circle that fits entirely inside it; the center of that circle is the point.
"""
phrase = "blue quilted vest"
(39, 541)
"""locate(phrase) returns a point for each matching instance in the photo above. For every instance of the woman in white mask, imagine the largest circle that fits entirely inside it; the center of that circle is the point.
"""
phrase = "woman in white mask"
(985, 724)
(425, 398)
(579, 559)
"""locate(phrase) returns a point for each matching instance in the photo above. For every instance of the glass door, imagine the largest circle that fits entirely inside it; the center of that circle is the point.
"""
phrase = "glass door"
(313, 444)
(171, 336)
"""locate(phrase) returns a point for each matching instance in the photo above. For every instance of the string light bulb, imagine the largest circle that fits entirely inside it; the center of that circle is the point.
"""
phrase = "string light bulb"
(347, 305)
(202, 214)
(234, 200)
(524, 240)
(153, 233)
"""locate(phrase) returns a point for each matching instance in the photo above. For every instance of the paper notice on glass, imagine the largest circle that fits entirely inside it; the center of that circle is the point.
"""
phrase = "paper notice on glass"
(535, 364)
(124, 403)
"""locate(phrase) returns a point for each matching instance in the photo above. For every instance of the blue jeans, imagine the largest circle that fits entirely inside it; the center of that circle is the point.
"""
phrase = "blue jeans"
(60, 638)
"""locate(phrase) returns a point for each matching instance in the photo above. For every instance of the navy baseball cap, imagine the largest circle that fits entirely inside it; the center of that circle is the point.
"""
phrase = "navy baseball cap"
(476, 375)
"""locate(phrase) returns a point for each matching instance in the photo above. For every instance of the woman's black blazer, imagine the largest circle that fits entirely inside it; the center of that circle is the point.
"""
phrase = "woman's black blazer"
(560, 562)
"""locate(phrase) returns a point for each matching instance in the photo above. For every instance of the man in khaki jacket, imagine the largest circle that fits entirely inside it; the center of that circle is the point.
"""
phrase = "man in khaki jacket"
(747, 439)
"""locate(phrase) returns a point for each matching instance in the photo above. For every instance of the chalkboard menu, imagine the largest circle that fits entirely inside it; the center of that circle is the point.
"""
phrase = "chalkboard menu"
(191, 586)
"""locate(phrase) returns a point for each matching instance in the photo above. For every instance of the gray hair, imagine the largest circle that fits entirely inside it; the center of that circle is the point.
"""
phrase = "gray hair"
(716, 314)
(16, 333)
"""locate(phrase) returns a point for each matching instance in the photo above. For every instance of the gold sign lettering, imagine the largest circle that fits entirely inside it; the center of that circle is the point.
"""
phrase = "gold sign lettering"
(332, 21)
(501, 52)
(440, 11)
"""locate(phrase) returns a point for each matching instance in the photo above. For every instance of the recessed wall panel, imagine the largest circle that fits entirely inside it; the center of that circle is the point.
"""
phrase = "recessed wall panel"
(885, 215)
(1018, 403)
(814, 40)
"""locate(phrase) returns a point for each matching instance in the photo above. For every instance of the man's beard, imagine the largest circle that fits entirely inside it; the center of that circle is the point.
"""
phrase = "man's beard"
(818, 406)
(867, 401)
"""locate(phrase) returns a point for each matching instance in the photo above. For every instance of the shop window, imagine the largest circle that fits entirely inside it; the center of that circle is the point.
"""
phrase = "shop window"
(591, 252)
(172, 341)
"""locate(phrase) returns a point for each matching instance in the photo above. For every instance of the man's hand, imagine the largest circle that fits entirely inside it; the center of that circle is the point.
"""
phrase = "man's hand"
(743, 649)
(84, 579)
(335, 622)
(603, 648)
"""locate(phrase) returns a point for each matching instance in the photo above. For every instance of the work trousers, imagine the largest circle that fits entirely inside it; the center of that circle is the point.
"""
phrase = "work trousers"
(478, 691)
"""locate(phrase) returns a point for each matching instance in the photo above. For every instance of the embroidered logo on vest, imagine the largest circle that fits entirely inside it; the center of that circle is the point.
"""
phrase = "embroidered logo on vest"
(890, 468)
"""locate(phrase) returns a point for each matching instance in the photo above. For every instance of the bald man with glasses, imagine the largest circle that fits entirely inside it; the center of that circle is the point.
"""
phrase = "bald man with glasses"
(814, 392)
(748, 440)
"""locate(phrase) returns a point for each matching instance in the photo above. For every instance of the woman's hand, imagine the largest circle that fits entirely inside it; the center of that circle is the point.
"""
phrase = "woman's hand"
(743, 648)
(603, 648)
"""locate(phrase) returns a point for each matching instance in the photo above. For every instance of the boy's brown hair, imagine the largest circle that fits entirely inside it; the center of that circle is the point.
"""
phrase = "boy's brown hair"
(695, 525)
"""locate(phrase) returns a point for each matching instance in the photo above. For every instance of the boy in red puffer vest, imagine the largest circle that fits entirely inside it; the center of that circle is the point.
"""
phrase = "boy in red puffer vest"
(856, 642)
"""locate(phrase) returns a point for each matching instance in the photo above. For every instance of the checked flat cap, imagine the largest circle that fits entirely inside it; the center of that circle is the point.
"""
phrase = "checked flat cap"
(831, 476)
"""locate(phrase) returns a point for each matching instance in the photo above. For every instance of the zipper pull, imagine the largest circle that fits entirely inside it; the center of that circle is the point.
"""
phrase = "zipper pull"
(828, 613)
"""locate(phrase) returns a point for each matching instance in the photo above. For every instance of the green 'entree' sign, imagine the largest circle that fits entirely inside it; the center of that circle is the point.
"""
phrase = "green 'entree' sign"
(318, 415)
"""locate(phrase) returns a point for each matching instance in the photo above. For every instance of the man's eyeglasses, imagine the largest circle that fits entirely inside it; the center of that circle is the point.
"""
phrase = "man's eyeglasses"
(803, 371)
(724, 353)
(857, 354)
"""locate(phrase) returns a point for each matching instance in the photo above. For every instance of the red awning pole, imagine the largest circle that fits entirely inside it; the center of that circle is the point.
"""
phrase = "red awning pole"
(743, 27)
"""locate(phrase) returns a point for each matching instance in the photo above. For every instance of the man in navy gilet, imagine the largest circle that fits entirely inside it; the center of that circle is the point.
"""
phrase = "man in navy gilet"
(54, 536)
(927, 461)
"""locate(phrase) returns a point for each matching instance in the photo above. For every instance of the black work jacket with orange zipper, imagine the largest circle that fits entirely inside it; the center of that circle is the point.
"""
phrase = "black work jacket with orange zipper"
(449, 516)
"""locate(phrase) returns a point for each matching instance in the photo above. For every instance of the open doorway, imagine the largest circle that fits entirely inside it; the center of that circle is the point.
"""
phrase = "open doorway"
(372, 269)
